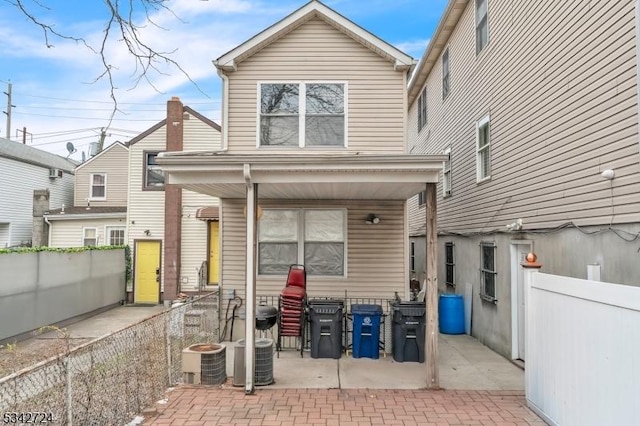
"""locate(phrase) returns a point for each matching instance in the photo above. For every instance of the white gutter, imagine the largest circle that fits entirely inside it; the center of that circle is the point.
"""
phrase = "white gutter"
(225, 107)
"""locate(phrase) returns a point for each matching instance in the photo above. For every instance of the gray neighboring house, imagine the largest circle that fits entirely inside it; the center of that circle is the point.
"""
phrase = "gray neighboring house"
(24, 169)
(532, 102)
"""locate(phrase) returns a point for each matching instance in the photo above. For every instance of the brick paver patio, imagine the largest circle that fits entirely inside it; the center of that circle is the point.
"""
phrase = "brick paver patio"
(191, 405)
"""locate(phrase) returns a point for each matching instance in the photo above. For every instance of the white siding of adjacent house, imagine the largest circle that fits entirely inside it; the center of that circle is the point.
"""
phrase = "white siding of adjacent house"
(318, 52)
(376, 266)
(146, 208)
(559, 81)
(16, 197)
(69, 233)
(114, 163)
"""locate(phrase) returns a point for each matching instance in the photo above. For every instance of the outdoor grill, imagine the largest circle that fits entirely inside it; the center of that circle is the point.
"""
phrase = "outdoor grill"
(266, 317)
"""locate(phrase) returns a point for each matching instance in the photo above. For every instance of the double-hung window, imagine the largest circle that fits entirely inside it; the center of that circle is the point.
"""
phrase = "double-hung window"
(313, 237)
(89, 237)
(488, 271)
(422, 109)
(445, 74)
(98, 186)
(422, 198)
(483, 156)
(482, 24)
(412, 257)
(446, 174)
(302, 114)
(153, 175)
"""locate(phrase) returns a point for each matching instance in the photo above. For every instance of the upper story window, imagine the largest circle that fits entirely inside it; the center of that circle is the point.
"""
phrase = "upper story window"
(153, 175)
(303, 114)
(98, 186)
(446, 174)
(422, 198)
(445, 74)
(482, 24)
(312, 237)
(483, 160)
(422, 109)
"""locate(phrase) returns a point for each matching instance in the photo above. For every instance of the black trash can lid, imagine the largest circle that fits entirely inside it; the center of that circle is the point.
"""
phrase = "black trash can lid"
(366, 309)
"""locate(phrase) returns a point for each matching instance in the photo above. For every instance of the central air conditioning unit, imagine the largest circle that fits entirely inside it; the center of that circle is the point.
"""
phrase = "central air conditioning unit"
(263, 374)
(55, 173)
(204, 364)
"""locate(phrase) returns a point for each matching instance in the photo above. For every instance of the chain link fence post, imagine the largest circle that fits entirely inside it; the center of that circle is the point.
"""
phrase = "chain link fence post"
(69, 395)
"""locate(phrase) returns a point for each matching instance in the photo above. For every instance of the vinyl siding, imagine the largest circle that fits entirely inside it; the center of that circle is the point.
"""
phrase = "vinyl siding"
(69, 233)
(114, 164)
(559, 81)
(376, 265)
(317, 52)
(146, 208)
(16, 199)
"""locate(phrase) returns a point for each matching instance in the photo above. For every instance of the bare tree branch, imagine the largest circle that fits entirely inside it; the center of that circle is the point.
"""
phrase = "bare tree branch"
(120, 26)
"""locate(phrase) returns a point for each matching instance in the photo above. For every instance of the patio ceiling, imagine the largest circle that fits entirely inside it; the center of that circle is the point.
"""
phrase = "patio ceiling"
(310, 176)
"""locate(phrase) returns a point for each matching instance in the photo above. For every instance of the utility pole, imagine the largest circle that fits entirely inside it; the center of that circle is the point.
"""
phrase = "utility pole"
(103, 135)
(8, 111)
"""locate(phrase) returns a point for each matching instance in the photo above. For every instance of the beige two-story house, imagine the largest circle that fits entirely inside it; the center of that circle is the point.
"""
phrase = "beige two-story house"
(314, 167)
(99, 210)
(535, 105)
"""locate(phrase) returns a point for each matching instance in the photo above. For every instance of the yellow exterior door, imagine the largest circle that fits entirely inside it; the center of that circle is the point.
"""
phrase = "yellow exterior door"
(147, 276)
(214, 252)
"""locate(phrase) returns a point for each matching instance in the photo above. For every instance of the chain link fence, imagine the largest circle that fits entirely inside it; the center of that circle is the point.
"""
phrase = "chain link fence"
(111, 379)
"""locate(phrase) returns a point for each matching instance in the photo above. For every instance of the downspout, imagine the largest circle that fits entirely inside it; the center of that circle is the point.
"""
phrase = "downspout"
(46, 220)
(225, 108)
(637, 13)
(250, 296)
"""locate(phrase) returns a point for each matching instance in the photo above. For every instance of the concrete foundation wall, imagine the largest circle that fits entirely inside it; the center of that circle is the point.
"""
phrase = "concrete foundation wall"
(566, 252)
(38, 289)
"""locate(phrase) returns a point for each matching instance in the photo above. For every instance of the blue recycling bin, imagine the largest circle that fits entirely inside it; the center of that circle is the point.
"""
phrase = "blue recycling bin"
(366, 330)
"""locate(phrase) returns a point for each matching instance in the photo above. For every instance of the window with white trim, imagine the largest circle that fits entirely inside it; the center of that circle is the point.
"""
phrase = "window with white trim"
(446, 174)
(302, 114)
(98, 186)
(89, 237)
(445, 74)
(449, 264)
(422, 109)
(153, 174)
(483, 149)
(482, 24)
(312, 237)
(488, 271)
(115, 235)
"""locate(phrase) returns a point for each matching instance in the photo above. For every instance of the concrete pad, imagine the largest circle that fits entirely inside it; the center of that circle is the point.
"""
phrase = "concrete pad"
(111, 321)
(382, 373)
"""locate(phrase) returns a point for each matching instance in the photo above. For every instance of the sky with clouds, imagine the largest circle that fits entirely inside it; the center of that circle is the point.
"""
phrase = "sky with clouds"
(55, 92)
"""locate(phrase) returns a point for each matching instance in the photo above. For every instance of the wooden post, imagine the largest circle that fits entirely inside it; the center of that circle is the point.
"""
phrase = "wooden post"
(431, 296)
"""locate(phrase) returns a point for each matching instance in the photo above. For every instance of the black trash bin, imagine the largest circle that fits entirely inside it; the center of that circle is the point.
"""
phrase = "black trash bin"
(408, 331)
(326, 327)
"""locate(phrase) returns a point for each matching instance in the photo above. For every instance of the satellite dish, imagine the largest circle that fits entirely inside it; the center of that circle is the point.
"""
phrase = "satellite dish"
(70, 148)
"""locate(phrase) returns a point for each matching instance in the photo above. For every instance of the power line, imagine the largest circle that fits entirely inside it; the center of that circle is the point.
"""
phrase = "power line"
(90, 118)
(111, 102)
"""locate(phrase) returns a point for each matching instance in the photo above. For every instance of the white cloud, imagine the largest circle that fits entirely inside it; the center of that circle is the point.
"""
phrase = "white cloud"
(414, 48)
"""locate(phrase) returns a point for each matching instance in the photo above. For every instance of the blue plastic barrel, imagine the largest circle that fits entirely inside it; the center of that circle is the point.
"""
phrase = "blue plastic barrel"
(451, 311)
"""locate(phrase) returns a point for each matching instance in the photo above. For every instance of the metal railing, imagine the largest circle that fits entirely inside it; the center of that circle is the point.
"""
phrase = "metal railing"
(109, 380)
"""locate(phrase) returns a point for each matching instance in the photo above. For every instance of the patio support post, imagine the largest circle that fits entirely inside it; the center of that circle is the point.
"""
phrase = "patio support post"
(431, 330)
(250, 295)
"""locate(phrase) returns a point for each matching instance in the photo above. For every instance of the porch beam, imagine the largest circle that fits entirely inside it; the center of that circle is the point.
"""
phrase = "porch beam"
(431, 297)
(250, 294)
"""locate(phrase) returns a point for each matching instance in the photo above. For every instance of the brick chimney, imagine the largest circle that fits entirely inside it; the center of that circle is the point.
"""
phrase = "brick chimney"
(173, 204)
(40, 230)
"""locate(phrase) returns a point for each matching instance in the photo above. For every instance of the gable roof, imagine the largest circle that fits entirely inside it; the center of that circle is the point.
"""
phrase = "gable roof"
(107, 149)
(28, 154)
(160, 124)
(314, 9)
(448, 23)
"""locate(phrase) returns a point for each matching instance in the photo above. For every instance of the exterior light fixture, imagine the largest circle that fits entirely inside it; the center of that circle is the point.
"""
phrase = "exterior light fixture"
(372, 219)
(608, 174)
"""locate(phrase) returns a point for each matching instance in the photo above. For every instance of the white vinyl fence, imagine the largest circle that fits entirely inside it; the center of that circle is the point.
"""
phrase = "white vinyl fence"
(583, 351)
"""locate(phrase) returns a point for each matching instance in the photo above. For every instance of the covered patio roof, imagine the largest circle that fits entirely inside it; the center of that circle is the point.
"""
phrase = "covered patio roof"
(303, 176)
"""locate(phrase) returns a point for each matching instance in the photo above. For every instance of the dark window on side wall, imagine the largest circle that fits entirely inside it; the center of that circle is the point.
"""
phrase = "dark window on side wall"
(488, 271)
(449, 263)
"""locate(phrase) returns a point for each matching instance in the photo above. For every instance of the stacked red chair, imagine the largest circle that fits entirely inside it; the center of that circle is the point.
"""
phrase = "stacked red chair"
(291, 304)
